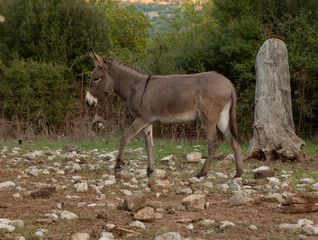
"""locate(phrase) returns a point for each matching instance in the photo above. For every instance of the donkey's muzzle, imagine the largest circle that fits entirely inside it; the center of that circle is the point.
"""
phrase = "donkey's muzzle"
(90, 100)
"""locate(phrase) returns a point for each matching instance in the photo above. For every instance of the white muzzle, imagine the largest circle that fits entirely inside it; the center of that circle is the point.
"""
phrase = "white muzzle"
(91, 100)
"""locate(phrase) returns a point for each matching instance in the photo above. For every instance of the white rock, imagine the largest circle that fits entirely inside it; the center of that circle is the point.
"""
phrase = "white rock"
(159, 173)
(6, 185)
(137, 224)
(80, 236)
(273, 181)
(253, 227)
(221, 175)
(194, 157)
(190, 227)
(314, 186)
(307, 180)
(52, 216)
(310, 230)
(303, 222)
(106, 236)
(20, 238)
(126, 192)
(288, 226)
(226, 224)
(240, 198)
(169, 236)
(81, 186)
(41, 232)
(262, 168)
(67, 215)
(194, 202)
(223, 187)
(110, 226)
(33, 171)
(206, 223)
(167, 158)
(6, 227)
(186, 191)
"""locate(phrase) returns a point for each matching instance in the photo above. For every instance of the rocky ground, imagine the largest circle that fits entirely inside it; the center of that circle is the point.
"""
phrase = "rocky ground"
(73, 194)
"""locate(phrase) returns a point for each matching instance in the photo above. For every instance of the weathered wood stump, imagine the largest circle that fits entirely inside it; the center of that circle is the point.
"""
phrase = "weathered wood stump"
(274, 134)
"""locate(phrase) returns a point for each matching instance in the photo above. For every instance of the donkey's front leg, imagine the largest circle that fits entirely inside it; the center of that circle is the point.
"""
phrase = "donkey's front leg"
(134, 129)
(149, 148)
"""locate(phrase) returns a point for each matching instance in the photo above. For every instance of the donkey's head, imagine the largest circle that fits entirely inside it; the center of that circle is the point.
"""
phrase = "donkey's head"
(101, 84)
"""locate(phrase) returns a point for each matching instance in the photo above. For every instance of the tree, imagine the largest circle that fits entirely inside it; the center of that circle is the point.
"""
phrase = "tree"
(274, 133)
(56, 31)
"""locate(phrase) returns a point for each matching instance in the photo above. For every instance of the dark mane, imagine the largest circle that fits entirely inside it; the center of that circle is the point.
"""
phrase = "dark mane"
(111, 61)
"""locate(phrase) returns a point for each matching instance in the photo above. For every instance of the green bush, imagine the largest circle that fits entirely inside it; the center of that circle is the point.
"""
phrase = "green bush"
(32, 91)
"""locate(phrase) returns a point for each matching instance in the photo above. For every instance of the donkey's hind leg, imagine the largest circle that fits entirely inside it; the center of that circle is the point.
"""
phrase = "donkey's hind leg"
(237, 156)
(131, 132)
(211, 136)
(149, 148)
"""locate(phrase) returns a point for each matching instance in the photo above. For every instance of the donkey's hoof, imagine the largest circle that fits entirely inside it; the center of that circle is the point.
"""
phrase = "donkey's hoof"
(201, 174)
(149, 172)
(238, 174)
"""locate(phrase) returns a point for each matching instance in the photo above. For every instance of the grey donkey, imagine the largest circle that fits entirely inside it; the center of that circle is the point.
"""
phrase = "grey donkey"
(208, 96)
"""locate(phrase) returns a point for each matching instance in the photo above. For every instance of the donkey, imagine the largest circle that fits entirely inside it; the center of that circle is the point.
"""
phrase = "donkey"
(173, 98)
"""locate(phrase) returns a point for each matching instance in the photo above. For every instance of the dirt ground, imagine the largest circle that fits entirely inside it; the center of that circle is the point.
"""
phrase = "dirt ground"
(93, 220)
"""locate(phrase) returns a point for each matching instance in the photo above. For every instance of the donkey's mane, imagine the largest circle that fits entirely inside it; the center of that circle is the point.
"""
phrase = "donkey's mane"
(111, 61)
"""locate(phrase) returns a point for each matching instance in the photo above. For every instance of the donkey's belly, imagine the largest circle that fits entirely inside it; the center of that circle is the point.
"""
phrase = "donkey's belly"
(180, 117)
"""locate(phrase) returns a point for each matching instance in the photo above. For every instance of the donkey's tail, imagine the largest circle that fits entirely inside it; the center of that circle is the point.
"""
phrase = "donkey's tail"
(233, 122)
(227, 120)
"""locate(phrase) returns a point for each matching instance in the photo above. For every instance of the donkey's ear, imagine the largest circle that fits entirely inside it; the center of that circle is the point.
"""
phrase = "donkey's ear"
(98, 60)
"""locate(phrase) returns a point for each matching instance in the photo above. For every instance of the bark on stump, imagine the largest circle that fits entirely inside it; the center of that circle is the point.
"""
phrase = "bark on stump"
(274, 133)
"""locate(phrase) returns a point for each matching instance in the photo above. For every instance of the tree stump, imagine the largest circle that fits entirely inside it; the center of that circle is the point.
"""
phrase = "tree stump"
(274, 134)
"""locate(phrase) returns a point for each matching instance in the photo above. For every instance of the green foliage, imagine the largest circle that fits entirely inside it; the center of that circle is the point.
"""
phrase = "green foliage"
(129, 31)
(33, 91)
(226, 35)
(55, 31)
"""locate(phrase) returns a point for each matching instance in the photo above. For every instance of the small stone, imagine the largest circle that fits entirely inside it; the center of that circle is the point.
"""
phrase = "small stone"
(207, 223)
(137, 224)
(223, 187)
(186, 191)
(221, 175)
(145, 214)
(240, 198)
(7, 185)
(286, 188)
(81, 186)
(274, 197)
(310, 230)
(303, 222)
(190, 227)
(106, 236)
(226, 224)
(110, 226)
(6, 227)
(288, 226)
(67, 215)
(123, 175)
(184, 220)
(33, 171)
(306, 180)
(41, 232)
(194, 157)
(126, 192)
(253, 227)
(80, 236)
(169, 236)
(159, 173)
(272, 181)
(194, 202)
(314, 186)
(158, 215)
(263, 172)
(135, 201)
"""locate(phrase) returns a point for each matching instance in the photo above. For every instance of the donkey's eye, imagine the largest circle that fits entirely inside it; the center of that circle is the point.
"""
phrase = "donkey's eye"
(96, 79)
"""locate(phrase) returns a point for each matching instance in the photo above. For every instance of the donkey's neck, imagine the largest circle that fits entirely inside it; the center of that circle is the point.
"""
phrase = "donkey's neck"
(126, 80)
